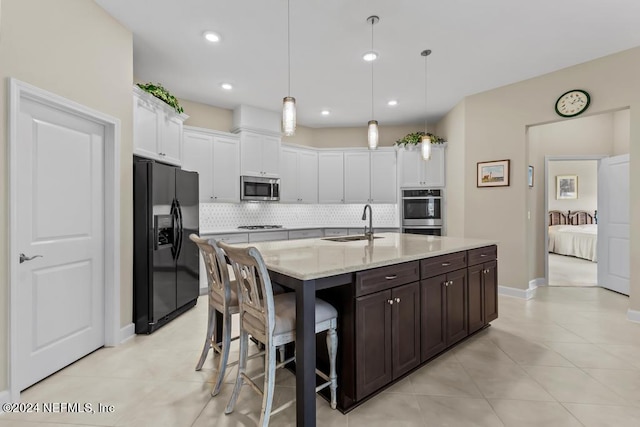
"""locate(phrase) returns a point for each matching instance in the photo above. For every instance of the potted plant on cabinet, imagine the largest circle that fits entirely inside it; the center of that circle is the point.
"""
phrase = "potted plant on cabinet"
(157, 90)
(413, 140)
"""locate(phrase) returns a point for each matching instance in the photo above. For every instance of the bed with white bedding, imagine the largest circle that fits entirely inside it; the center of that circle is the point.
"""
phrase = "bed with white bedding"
(575, 240)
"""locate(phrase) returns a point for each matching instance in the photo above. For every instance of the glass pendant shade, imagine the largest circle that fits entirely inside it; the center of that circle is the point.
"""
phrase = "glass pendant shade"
(372, 134)
(426, 147)
(289, 116)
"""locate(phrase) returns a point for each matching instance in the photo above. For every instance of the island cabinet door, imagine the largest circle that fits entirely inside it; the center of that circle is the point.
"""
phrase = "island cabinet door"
(476, 275)
(456, 314)
(490, 287)
(373, 343)
(405, 328)
(432, 316)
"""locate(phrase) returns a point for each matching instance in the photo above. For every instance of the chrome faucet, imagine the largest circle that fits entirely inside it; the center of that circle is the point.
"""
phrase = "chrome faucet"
(368, 234)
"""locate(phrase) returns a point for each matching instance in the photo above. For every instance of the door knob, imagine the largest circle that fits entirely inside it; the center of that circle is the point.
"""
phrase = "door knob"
(24, 258)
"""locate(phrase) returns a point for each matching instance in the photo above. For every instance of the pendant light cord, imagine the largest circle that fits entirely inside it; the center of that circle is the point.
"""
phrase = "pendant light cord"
(289, 44)
(425, 93)
(373, 21)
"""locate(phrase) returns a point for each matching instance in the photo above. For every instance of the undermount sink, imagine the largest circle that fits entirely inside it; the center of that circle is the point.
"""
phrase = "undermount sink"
(349, 238)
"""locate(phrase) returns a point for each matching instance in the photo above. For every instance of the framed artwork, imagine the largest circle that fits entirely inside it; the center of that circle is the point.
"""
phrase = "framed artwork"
(493, 174)
(530, 176)
(566, 187)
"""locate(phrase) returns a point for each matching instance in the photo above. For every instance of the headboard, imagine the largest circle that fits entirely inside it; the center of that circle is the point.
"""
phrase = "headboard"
(558, 218)
(582, 217)
(572, 217)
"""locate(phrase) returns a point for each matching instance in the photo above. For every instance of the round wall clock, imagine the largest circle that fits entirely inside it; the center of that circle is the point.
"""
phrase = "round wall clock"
(572, 103)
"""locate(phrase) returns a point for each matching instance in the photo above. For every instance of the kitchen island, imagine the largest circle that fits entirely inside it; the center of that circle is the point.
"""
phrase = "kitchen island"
(402, 299)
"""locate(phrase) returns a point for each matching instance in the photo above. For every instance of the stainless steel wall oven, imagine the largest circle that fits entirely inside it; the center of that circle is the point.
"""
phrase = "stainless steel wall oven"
(422, 211)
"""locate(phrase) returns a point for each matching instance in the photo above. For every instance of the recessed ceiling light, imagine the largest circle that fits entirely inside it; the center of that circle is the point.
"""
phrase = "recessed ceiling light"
(325, 112)
(392, 103)
(211, 36)
(370, 56)
(226, 86)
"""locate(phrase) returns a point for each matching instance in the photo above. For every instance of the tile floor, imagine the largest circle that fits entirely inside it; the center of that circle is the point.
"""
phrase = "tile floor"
(566, 358)
(571, 271)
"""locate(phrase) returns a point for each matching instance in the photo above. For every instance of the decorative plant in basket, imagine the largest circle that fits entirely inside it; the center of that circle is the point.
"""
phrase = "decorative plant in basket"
(415, 139)
(161, 93)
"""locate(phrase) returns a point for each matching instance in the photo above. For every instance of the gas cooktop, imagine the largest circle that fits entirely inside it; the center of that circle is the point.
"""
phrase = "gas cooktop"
(258, 227)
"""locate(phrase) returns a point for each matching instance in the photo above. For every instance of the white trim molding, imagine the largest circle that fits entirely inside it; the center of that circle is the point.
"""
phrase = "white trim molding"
(18, 91)
(540, 281)
(127, 332)
(633, 315)
(525, 294)
(5, 397)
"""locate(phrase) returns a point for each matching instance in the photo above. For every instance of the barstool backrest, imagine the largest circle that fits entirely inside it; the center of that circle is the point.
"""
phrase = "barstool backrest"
(255, 293)
(216, 267)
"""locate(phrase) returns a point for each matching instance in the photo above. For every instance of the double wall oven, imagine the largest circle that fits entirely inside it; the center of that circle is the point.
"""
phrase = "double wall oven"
(422, 211)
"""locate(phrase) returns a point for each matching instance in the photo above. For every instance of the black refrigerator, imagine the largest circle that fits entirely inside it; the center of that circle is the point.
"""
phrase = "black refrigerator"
(165, 261)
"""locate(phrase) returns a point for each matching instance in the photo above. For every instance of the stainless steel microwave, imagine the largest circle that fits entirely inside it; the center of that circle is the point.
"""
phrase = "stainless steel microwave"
(259, 189)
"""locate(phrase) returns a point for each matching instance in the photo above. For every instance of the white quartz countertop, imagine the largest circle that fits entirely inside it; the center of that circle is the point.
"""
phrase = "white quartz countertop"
(307, 259)
(208, 231)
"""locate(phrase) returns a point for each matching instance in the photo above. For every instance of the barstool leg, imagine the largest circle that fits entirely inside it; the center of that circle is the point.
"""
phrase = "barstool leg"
(332, 347)
(224, 354)
(211, 327)
(242, 367)
(269, 384)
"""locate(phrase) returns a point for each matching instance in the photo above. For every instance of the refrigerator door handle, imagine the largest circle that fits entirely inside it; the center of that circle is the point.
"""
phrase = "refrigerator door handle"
(180, 229)
(175, 220)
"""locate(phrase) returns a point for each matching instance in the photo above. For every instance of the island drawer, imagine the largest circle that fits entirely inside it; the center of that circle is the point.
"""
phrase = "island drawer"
(431, 267)
(480, 255)
(380, 279)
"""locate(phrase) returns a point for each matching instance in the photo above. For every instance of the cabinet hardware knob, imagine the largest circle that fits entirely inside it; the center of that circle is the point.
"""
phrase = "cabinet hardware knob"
(446, 264)
(446, 283)
(451, 282)
(398, 300)
(483, 255)
(390, 301)
(393, 276)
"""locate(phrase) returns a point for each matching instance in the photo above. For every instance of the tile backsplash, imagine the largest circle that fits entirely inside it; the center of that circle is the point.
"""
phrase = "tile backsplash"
(230, 215)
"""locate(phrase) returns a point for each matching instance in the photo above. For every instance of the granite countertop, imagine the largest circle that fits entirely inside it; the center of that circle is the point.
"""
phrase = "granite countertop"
(307, 259)
(207, 231)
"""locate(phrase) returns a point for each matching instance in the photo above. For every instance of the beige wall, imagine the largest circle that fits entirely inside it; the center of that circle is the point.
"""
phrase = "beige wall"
(207, 116)
(586, 172)
(75, 49)
(452, 127)
(621, 132)
(495, 125)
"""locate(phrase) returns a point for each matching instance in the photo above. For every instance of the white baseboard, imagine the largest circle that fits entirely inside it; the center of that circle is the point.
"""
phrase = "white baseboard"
(516, 292)
(633, 315)
(204, 291)
(5, 397)
(540, 281)
(127, 332)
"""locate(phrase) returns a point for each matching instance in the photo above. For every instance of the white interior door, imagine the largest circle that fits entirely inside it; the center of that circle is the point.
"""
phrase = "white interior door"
(60, 205)
(613, 224)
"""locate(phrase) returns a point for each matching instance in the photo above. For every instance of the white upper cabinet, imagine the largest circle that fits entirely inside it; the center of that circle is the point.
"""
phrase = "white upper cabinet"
(259, 154)
(216, 158)
(383, 177)
(357, 170)
(298, 176)
(370, 177)
(331, 177)
(415, 172)
(157, 129)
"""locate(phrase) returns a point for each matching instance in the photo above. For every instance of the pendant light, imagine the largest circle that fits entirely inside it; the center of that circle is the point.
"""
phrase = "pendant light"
(289, 102)
(372, 128)
(426, 139)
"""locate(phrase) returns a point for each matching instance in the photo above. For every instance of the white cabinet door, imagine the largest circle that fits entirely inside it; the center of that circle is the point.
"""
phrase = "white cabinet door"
(331, 177)
(356, 177)
(270, 156)
(197, 157)
(410, 168)
(383, 177)
(308, 177)
(171, 139)
(289, 176)
(433, 169)
(251, 154)
(146, 127)
(226, 169)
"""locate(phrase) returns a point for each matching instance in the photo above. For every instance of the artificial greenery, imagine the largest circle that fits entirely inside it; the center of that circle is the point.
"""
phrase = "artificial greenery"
(415, 138)
(160, 92)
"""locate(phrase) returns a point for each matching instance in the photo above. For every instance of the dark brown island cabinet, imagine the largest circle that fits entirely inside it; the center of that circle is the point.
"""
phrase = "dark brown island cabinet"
(396, 318)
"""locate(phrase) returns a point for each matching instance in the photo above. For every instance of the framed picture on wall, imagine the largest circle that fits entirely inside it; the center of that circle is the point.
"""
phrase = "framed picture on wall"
(493, 174)
(566, 187)
(530, 176)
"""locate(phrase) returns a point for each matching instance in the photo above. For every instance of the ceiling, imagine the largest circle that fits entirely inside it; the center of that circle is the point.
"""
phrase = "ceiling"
(477, 45)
